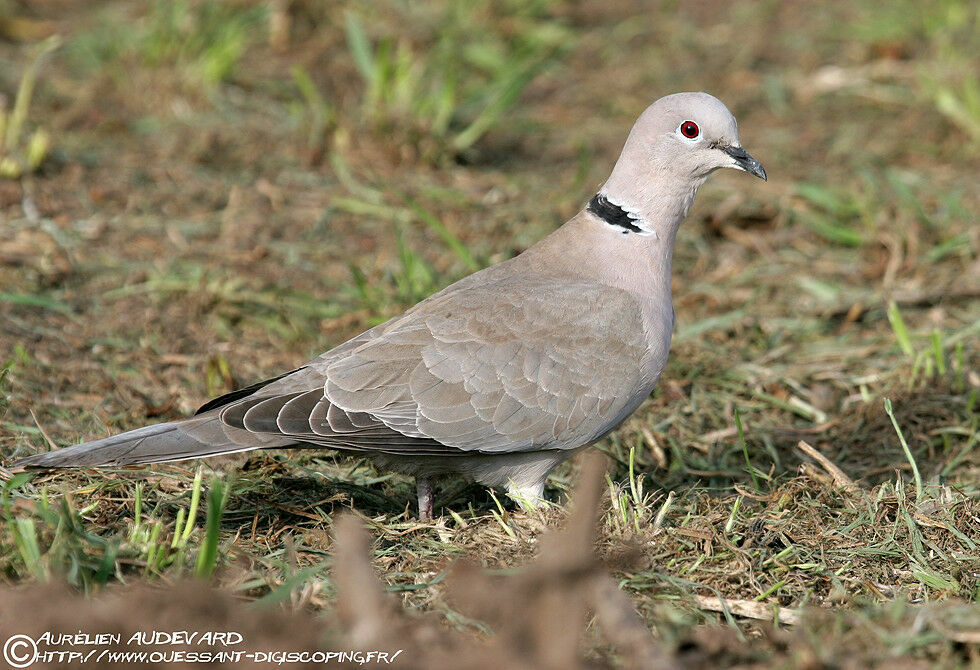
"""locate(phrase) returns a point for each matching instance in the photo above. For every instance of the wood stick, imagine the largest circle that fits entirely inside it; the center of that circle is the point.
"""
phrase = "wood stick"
(750, 609)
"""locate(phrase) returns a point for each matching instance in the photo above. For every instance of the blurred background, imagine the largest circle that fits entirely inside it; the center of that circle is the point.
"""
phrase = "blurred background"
(195, 195)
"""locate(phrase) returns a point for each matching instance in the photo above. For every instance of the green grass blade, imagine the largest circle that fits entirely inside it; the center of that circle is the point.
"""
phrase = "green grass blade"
(503, 100)
(447, 237)
(905, 448)
(207, 557)
(745, 449)
(360, 49)
(34, 301)
(192, 513)
(900, 330)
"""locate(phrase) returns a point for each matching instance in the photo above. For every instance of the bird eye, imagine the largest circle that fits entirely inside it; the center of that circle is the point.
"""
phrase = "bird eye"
(690, 130)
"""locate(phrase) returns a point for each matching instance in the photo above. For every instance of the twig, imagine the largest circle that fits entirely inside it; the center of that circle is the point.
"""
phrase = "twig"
(750, 609)
(718, 435)
(841, 480)
(44, 433)
(915, 299)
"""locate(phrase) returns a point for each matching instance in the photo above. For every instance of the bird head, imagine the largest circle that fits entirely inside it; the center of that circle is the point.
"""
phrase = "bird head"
(675, 144)
(693, 134)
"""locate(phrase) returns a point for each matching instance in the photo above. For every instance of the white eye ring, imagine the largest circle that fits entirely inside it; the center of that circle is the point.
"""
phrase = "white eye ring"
(689, 131)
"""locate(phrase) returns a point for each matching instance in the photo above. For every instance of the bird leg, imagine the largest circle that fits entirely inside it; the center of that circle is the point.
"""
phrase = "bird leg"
(423, 486)
(528, 497)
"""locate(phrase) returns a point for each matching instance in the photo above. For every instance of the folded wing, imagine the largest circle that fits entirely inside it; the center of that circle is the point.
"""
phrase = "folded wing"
(509, 365)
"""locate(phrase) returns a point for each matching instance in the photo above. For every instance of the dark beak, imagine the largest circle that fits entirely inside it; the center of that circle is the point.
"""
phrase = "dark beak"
(745, 162)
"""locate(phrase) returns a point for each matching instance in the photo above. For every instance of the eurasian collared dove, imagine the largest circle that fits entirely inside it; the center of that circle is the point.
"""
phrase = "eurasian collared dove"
(506, 373)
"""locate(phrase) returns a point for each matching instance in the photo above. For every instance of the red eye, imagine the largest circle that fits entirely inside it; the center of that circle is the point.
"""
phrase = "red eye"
(690, 130)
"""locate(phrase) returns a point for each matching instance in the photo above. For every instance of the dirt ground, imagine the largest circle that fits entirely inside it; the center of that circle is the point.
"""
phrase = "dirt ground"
(220, 191)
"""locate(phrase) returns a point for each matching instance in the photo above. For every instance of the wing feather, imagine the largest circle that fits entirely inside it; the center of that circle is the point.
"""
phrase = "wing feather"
(505, 366)
(499, 368)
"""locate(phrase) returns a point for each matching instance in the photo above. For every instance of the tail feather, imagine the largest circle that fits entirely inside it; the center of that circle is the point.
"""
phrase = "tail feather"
(196, 437)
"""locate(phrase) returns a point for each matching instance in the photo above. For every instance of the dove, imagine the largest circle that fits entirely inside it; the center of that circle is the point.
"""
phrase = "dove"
(505, 374)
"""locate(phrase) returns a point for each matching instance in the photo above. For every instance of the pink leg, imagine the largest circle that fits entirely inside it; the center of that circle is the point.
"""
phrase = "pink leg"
(423, 486)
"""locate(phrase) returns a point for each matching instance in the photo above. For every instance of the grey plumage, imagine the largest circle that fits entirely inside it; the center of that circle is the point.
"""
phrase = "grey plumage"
(504, 374)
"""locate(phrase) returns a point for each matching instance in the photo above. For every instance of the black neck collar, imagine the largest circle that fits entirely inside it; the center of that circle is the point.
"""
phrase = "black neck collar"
(613, 214)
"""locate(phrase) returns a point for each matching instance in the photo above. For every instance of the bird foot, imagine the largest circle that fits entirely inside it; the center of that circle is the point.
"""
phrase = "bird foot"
(528, 498)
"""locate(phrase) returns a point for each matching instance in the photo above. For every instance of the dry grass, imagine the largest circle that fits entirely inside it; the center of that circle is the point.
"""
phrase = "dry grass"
(216, 213)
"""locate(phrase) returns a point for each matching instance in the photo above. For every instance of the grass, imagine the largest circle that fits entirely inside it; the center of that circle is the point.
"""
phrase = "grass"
(320, 187)
(19, 153)
(454, 88)
(202, 42)
(207, 39)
